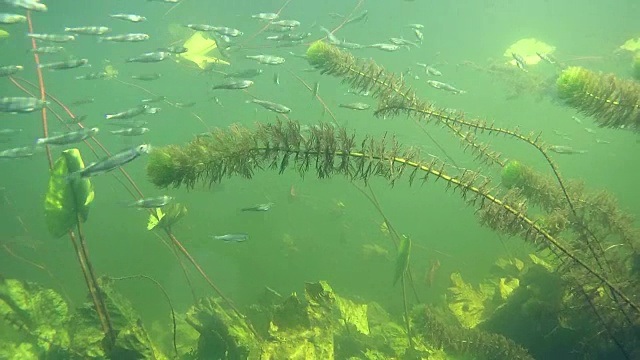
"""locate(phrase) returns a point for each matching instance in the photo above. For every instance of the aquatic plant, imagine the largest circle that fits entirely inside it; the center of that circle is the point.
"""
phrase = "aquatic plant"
(67, 202)
(49, 328)
(442, 332)
(329, 151)
(66, 208)
(613, 102)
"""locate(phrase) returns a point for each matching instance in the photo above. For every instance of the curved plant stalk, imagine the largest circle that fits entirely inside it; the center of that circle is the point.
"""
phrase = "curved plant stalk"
(239, 151)
(166, 296)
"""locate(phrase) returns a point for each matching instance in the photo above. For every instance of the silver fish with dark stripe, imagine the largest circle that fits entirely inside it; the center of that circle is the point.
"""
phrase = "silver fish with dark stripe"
(111, 162)
(21, 104)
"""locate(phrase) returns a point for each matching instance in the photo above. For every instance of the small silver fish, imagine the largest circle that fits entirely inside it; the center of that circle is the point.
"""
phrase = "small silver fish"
(265, 16)
(350, 45)
(12, 18)
(150, 57)
(175, 49)
(132, 37)
(93, 76)
(244, 74)
(416, 26)
(227, 31)
(147, 77)
(232, 237)
(65, 65)
(182, 105)
(128, 114)
(47, 50)
(384, 47)
(21, 104)
(132, 131)
(286, 23)
(158, 98)
(111, 162)
(19, 152)
(401, 42)
(547, 57)
(430, 70)
(562, 149)
(9, 132)
(52, 37)
(71, 137)
(201, 27)
(129, 17)
(355, 106)
(151, 203)
(267, 59)
(234, 85)
(259, 207)
(419, 35)
(577, 119)
(602, 141)
(444, 86)
(330, 36)
(590, 130)
(34, 5)
(88, 30)
(276, 78)
(520, 62)
(279, 108)
(10, 69)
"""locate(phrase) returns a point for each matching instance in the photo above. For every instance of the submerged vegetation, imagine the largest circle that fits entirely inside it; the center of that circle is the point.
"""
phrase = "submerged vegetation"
(575, 228)
(574, 291)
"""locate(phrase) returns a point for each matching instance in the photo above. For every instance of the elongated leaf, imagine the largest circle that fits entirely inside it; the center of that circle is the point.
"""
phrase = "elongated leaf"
(67, 200)
(402, 261)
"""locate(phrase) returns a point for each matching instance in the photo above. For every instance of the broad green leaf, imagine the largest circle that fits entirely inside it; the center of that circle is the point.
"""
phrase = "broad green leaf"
(67, 200)
(402, 261)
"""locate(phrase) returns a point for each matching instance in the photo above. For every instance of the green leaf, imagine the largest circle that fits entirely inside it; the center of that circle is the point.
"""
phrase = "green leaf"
(167, 218)
(402, 261)
(67, 201)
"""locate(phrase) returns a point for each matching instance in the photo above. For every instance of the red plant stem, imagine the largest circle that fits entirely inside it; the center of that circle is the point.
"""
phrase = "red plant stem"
(43, 97)
(80, 251)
